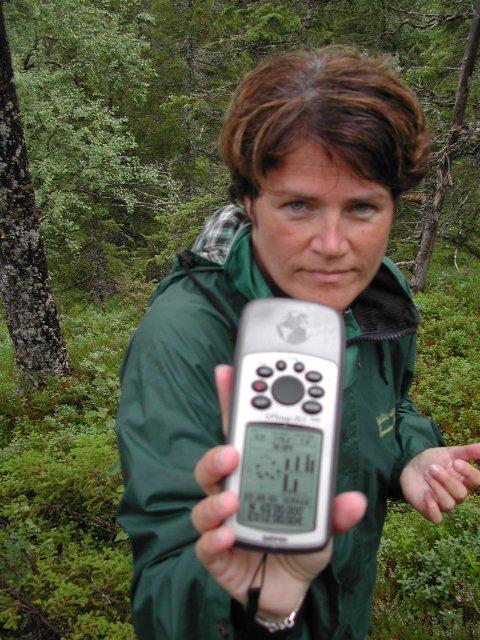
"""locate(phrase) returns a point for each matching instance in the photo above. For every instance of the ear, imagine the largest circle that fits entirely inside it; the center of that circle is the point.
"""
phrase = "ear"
(248, 204)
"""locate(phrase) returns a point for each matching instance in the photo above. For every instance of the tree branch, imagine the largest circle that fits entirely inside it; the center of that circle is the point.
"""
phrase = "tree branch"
(433, 20)
(31, 610)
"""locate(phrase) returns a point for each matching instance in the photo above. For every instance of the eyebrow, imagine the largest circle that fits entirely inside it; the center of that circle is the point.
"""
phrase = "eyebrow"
(368, 194)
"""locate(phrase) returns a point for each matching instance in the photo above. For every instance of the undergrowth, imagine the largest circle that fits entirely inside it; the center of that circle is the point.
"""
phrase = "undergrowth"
(64, 563)
(429, 576)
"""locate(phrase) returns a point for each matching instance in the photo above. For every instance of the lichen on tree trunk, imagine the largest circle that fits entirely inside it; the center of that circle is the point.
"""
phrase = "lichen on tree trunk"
(31, 316)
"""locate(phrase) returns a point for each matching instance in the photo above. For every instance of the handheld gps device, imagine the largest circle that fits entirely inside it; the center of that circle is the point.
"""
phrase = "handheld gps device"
(285, 422)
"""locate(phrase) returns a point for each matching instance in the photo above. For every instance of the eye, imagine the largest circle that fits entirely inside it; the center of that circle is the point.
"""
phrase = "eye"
(363, 209)
(296, 206)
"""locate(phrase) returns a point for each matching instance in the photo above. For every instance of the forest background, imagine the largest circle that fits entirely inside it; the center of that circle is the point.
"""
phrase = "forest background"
(121, 104)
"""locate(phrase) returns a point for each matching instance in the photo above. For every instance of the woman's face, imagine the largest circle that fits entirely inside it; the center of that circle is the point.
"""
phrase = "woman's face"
(319, 230)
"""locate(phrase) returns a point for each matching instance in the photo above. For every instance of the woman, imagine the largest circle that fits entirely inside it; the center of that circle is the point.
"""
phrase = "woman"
(319, 145)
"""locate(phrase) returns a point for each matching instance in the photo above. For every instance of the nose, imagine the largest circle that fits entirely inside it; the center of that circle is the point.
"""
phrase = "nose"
(330, 236)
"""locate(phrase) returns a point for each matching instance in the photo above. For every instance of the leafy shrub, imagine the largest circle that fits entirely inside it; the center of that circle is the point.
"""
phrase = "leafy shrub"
(447, 383)
(64, 563)
(79, 587)
(429, 576)
(64, 479)
(96, 339)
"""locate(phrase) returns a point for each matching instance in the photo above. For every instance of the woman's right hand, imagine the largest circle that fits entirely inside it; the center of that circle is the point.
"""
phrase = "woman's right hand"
(288, 576)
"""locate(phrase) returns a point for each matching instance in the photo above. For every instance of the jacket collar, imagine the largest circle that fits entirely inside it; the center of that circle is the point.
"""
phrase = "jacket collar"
(243, 270)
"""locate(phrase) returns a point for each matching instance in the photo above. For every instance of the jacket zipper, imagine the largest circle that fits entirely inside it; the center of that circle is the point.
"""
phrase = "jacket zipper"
(376, 337)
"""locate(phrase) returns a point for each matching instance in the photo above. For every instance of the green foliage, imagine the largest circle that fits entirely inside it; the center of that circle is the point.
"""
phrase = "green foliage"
(122, 103)
(180, 226)
(429, 582)
(79, 65)
(60, 548)
(429, 576)
(269, 23)
(447, 384)
(95, 339)
(63, 559)
(78, 585)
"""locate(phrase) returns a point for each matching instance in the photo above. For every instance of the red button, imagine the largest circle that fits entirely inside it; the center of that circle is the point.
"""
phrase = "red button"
(259, 386)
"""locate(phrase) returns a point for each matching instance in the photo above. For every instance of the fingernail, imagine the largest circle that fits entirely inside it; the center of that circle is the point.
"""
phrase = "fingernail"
(219, 535)
(459, 465)
(220, 458)
(434, 468)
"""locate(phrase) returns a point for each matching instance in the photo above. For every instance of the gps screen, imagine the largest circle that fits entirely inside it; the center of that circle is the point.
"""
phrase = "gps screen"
(280, 474)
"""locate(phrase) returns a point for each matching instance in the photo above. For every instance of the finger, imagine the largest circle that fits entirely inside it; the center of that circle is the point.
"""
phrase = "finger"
(466, 452)
(432, 510)
(452, 483)
(214, 510)
(224, 383)
(215, 465)
(348, 509)
(211, 549)
(470, 474)
(444, 500)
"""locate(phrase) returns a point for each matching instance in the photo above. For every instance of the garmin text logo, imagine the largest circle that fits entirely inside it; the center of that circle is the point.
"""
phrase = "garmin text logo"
(279, 539)
(294, 327)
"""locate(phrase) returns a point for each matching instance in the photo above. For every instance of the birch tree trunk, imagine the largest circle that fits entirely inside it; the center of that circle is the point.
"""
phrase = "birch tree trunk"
(30, 311)
(188, 89)
(430, 223)
(309, 15)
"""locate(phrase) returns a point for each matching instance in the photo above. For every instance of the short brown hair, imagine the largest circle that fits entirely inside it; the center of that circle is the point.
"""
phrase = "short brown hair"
(354, 106)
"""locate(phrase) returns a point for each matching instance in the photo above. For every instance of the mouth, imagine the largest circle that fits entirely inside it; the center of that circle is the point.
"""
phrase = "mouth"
(333, 276)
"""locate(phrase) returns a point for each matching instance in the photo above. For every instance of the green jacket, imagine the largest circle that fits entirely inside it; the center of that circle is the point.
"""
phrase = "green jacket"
(169, 417)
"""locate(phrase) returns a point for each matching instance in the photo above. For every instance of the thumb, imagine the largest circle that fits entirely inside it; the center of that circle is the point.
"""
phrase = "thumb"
(224, 384)
(348, 509)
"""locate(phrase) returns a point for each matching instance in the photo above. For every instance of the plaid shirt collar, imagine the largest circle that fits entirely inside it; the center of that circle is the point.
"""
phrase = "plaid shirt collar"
(216, 237)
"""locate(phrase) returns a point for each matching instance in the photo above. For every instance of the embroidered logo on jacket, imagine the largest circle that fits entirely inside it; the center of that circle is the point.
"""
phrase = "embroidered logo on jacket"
(386, 422)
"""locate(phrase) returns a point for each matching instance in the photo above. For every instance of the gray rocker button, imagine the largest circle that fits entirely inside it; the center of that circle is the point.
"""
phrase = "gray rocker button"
(316, 392)
(261, 402)
(287, 390)
(264, 372)
(311, 407)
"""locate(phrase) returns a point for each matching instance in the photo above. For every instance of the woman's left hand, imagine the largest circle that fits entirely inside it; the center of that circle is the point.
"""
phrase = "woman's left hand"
(438, 479)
